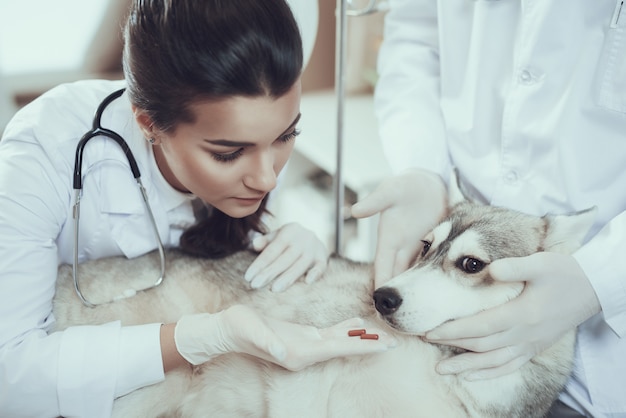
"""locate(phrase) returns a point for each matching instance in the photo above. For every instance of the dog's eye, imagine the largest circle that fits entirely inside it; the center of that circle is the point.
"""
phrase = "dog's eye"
(471, 265)
(426, 247)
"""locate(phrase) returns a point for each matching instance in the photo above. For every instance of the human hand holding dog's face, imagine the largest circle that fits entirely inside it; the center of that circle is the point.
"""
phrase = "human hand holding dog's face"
(286, 255)
(409, 205)
(557, 297)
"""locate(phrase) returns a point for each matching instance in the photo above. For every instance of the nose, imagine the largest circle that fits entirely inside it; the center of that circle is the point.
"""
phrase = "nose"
(261, 175)
(387, 300)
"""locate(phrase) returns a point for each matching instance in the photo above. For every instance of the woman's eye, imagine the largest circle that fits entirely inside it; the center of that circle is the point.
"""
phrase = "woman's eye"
(225, 158)
(426, 247)
(232, 156)
(471, 265)
(289, 136)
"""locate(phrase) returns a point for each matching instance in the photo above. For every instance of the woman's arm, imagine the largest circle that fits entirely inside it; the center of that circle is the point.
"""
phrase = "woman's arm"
(171, 357)
(79, 371)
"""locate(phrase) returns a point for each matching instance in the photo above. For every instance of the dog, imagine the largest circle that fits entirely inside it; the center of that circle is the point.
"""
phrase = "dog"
(447, 280)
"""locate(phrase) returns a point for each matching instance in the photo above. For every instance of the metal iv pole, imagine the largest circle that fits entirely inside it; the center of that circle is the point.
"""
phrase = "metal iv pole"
(345, 8)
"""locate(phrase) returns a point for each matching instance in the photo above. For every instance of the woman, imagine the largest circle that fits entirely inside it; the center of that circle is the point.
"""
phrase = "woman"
(210, 113)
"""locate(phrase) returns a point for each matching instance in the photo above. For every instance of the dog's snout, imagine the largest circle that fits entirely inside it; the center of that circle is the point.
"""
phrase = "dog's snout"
(387, 300)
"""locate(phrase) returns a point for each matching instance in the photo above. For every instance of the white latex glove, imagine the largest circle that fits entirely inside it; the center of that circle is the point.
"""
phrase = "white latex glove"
(240, 329)
(287, 254)
(410, 205)
(557, 297)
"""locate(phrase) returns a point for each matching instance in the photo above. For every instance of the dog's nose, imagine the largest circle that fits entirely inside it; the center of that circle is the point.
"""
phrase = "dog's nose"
(387, 300)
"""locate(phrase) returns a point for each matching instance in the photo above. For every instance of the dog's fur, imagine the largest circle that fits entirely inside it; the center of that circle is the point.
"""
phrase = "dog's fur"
(401, 382)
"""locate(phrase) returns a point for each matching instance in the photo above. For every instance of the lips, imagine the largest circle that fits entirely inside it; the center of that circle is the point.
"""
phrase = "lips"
(249, 200)
(252, 199)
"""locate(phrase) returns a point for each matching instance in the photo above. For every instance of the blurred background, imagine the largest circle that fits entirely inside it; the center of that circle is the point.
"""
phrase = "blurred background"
(47, 42)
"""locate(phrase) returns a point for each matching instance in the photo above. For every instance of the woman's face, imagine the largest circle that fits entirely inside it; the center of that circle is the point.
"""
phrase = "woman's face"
(232, 154)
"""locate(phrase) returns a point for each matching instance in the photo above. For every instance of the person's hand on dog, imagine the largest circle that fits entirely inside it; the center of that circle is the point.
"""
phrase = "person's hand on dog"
(557, 297)
(287, 254)
(410, 205)
(307, 345)
(240, 329)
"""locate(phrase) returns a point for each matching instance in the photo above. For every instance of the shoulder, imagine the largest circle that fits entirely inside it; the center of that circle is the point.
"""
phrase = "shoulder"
(64, 112)
(83, 92)
(45, 132)
(60, 117)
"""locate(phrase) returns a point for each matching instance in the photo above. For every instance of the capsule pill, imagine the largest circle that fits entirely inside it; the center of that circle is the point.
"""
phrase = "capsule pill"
(369, 336)
(356, 332)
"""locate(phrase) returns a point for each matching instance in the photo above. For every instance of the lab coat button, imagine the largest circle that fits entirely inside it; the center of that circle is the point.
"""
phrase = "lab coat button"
(526, 77)
(510, 177)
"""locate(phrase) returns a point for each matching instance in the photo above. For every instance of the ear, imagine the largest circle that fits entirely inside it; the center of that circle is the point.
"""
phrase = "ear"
(565, 233)
(145, 124)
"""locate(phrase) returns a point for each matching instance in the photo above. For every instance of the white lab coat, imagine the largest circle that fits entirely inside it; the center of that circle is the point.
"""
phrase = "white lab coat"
(528, 99)
(77, 372)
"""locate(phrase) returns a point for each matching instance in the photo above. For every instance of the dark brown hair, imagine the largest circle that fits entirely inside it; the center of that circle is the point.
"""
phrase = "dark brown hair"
(179, 52)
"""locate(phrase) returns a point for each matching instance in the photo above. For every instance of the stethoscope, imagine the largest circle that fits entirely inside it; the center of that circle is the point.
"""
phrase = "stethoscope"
(98, 130)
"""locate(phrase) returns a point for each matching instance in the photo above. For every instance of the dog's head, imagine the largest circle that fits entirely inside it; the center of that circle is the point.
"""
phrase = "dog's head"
(449, 278)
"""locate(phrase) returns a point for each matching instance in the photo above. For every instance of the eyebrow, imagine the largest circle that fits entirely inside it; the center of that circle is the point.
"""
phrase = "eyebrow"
(229, 143)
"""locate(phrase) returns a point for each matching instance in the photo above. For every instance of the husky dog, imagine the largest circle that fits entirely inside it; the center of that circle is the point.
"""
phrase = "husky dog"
(447, 281)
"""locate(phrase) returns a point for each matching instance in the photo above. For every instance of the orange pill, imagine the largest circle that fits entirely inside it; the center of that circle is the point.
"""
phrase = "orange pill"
(369, 336)
(356, 332)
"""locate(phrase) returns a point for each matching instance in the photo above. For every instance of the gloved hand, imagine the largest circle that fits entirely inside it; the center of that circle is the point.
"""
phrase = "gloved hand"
(557, 297)
(409, 205)
(287, 254)
(240, 329)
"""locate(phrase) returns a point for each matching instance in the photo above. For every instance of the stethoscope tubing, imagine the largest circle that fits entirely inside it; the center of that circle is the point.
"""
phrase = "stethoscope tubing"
(98, 130)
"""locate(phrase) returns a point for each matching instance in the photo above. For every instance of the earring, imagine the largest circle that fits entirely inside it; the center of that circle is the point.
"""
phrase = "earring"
(151, 140)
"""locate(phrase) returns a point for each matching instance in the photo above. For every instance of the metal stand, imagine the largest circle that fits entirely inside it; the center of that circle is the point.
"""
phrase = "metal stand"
(345, 8)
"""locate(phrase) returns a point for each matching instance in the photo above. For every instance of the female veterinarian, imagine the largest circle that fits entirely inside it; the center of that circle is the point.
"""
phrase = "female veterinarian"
(208, 115)
(528, 100)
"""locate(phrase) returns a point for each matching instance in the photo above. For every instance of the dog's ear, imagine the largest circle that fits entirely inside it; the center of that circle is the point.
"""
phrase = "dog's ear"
(565, 233)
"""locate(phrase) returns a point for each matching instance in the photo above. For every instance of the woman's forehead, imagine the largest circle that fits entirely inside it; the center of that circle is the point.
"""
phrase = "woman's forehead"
(246, 118)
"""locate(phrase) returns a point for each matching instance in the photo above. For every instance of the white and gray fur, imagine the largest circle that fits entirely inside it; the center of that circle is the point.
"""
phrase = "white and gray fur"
(401, 382)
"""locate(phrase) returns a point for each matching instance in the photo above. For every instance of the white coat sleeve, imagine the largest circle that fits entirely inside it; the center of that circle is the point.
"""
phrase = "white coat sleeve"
(407, 92)
(76, 372)
(602, 260)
